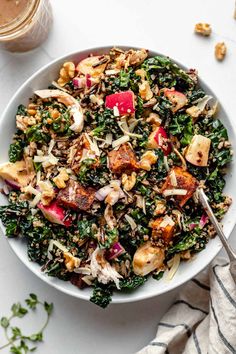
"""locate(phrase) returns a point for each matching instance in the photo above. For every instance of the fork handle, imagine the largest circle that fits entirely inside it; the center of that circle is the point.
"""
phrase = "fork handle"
(218, 228)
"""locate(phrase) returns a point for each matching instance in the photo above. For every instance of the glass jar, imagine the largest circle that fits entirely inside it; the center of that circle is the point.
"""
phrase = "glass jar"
(25, 24)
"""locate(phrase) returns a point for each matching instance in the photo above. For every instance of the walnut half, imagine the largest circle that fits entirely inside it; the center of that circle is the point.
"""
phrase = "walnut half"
(220, 51)
(203, 29)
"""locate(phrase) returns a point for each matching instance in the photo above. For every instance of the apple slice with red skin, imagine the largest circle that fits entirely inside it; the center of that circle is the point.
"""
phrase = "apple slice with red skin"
(55, 213)
(158, 139)
(178, 99)
(124, 101)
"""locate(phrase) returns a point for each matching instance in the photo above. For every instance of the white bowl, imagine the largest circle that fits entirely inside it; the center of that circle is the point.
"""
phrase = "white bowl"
(42, 79)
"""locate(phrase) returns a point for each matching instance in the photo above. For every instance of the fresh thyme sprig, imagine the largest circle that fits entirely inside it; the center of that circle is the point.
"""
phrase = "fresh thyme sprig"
(18, 342)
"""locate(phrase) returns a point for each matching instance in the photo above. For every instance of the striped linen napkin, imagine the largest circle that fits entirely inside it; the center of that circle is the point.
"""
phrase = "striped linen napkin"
(203, 318)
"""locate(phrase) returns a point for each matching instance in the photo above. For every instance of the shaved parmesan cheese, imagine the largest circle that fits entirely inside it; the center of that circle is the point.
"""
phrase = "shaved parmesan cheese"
(166, 163)
(124, 127)
(184, 165)
(174, 265)
(51, 146)
(29, 189)
(139, 201)
(112, 72)
(131, 221)
(133, 123)
(97, 100)
(144, 206)
(56, 243)
(88, 279)
(108, 139)
(116, 111)
(120, 141)
(167, 220)
(93, 145)
(169, 192)
(36, 200)
(55, 84)
(83, 270)
(86, 154)
(38, 177)
(173, 178)
(48, 159)
(180, 219)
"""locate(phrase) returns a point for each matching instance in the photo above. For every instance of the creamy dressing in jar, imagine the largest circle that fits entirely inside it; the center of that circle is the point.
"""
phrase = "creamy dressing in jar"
(24, 24)
(12, 9)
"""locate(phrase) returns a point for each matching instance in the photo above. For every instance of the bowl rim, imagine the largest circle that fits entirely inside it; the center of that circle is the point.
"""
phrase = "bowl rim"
(27, 262)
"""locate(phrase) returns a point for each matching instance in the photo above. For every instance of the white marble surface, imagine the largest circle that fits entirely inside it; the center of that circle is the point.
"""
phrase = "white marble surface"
(164, 26)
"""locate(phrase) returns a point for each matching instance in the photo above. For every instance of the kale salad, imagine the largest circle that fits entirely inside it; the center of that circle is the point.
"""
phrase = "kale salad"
(104, 168)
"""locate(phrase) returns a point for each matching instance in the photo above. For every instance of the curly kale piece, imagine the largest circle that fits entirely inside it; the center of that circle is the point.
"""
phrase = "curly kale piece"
(126, 80)
(89, 175)
(132, 282)
(21, 110)
(158, 276)
(216, 183)
(16, 218)
(217, 134)
(36, 133)
(106, 123)
(16, 151)
(165, 73)
(193, 240)
(102, 294)
(182, 126)
(110, 235)
(85, 167)
(195, 95)
(85, 228)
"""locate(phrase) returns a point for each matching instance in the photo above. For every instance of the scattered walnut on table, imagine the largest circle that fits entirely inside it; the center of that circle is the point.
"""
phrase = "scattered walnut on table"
(203, 29)
(220, 51)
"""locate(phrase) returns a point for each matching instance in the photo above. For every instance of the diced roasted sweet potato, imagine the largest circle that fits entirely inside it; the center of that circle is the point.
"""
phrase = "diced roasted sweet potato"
(180, 184)
(75, 196)
(122, 159)
(163, 228)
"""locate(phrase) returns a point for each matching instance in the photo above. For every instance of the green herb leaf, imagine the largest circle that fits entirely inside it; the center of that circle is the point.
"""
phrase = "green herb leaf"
(4, 322)
(48, 307)
(18, 310)
(32, 301)
(16, 332)
(37, 337)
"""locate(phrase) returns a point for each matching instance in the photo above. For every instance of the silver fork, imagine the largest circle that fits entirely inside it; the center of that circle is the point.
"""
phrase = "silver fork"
(231, 254)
